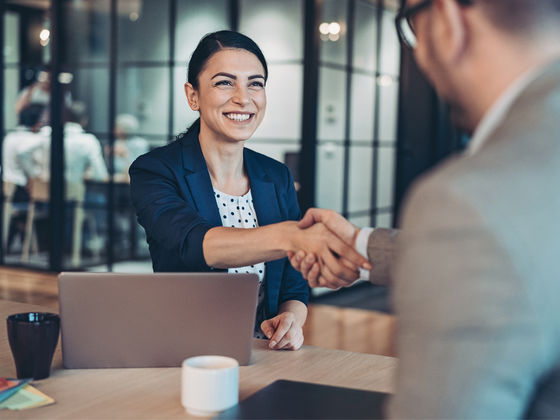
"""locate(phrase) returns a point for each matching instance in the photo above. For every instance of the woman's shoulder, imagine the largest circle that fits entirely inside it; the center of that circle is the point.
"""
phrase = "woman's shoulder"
(169, 154)
(269, 166)
(164, 161)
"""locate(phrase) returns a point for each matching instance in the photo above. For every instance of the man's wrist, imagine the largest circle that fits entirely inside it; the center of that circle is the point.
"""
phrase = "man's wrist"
(362, 239)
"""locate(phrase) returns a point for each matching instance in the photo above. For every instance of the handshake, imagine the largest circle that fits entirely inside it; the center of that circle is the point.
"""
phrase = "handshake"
(324, 250)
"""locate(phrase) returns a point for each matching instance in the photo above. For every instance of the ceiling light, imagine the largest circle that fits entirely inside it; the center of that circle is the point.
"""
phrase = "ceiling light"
(385, 80)
(324, 28)
(334, 28)
(45, 34)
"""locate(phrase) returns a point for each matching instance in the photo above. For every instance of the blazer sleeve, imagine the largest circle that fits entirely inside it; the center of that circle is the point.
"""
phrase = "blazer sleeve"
(469, 340)
(381, 251)
(168, 214)
(294, 286)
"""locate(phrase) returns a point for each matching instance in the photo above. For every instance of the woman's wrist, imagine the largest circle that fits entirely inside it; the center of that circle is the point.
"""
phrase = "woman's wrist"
(297, 308)
(285, 235)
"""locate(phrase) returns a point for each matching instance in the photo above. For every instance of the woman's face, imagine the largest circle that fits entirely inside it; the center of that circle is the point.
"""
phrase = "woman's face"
(230, 96)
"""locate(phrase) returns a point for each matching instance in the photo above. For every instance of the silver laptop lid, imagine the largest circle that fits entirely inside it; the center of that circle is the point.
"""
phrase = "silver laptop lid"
(113, 320)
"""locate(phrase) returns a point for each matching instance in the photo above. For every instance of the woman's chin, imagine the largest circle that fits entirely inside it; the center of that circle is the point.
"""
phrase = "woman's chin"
(241, 134)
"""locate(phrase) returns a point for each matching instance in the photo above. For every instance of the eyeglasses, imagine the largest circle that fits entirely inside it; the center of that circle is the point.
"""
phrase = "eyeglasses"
(405, 21)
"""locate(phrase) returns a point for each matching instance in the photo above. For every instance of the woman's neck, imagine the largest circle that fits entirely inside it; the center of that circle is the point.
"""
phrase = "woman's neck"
(224, 160)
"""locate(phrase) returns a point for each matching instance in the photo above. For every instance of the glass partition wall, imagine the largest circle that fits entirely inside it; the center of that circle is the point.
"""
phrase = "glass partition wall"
(122, 65)
(359, 69)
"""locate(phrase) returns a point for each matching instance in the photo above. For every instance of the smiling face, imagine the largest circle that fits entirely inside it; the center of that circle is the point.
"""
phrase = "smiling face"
(230, 96)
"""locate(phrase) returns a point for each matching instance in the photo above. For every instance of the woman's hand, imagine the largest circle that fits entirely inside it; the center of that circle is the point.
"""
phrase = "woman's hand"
(306, 264)
(311, 271)
(284, 332)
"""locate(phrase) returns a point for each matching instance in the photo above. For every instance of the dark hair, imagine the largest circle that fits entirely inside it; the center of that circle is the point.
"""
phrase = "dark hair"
(31, 115)
(210, 45)
(520, 16)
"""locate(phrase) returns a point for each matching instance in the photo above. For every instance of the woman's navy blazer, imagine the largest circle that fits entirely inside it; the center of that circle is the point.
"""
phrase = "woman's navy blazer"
(174, 200)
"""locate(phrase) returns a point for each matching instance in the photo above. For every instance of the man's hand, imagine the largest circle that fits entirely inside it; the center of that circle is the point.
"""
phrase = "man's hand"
(332, 220)
(284, 332)
(337, 260)
(308, 263)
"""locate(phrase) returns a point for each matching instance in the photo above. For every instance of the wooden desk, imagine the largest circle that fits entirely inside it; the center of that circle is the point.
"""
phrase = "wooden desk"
(155, 393)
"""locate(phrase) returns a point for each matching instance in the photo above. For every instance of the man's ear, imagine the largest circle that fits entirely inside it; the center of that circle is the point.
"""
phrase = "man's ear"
(192, 96)
(454, 29)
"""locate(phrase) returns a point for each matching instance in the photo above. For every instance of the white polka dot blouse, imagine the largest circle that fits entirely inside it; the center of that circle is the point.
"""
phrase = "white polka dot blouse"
(238, 212)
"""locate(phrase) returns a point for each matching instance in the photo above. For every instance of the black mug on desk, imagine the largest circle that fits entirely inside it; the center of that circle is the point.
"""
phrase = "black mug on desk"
(33, 338)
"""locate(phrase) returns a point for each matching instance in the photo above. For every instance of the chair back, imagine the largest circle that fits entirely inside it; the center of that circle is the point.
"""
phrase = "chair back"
(9, 190)
(40, 191)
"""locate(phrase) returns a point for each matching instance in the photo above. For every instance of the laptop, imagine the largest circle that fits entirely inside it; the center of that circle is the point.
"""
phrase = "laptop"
(113, 320)
(302, 400)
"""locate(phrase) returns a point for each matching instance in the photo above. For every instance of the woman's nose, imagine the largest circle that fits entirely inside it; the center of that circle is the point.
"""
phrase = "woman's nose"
(241, 96)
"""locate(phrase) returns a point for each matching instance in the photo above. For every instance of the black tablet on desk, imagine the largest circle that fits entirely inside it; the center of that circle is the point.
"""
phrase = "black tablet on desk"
(301, 400)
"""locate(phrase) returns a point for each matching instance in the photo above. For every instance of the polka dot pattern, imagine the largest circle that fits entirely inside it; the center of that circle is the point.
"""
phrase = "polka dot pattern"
(238, 211)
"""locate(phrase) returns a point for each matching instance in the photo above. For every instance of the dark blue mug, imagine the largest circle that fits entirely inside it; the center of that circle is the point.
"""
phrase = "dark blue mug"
(33, 338)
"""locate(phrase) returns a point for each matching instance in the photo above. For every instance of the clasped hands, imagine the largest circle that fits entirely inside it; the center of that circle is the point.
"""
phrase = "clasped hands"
(325, 252)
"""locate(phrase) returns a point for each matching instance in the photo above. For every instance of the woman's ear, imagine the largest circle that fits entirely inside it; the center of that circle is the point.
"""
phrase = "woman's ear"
(192, 96)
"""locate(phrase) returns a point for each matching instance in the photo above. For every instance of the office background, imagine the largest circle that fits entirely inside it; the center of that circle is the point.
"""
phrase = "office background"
(333, 112)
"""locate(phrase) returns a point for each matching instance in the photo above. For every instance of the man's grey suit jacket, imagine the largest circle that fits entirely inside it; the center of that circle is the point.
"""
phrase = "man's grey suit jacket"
(476, 274)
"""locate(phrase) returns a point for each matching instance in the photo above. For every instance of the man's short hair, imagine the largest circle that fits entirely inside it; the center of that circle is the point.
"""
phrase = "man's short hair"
(31, 115)
(77, 112)
(520, 16)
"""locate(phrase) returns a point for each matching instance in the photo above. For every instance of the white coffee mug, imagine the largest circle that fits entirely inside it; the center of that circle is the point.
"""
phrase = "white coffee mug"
(210, 384)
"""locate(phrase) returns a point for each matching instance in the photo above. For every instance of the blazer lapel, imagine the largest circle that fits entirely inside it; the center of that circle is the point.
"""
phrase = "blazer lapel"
(198, 179)
(264, 195)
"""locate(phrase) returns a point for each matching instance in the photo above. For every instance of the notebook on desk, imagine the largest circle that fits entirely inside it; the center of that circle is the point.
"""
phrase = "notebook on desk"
(301, 400)
(113, 320)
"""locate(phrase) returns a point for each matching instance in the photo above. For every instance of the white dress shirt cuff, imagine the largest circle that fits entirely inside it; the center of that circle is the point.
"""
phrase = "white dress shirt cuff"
(361, 247)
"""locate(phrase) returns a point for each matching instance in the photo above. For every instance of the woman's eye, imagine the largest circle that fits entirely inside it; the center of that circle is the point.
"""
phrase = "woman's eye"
(257, 84)
(224, 83)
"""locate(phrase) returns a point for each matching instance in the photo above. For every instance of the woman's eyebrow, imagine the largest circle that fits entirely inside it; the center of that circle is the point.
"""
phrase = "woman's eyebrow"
(231, 76)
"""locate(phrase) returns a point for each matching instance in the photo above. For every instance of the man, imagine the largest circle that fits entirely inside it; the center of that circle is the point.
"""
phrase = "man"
(17, 171)
(24, 136)
(477, 271)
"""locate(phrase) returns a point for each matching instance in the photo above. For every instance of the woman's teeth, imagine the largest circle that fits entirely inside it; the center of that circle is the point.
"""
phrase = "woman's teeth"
(238, 117)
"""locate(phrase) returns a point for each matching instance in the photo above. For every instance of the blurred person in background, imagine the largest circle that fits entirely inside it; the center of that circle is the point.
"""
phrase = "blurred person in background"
(83, 157)
(83, 161)
(16, 169)
(127, 145)
(476, 270)
(22, 138)
(39, 94)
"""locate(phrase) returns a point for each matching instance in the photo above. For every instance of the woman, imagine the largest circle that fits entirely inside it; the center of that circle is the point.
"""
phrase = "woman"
(193, 195)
